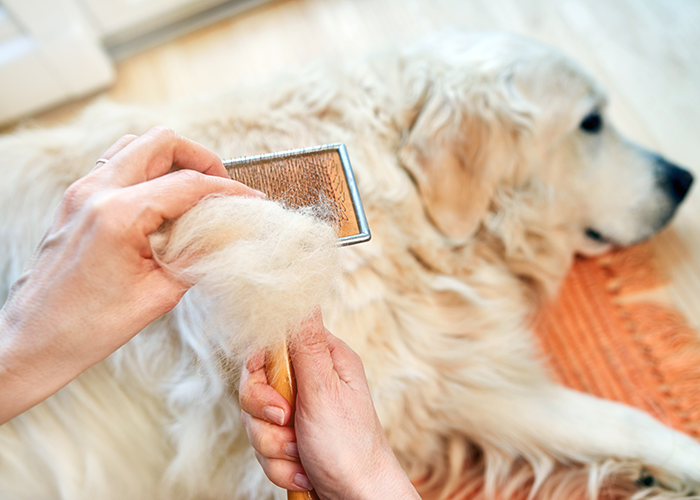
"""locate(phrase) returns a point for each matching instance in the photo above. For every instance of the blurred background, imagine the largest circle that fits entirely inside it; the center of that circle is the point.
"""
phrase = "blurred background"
(58, 55)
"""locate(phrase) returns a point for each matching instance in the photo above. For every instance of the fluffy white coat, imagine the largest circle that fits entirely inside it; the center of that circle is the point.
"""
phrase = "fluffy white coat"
(479, 185)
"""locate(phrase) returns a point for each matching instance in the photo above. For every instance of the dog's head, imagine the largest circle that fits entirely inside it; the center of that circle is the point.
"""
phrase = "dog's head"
(491, 112)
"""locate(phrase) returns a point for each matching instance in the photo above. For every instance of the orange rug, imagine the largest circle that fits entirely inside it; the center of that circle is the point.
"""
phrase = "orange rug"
(598, 339)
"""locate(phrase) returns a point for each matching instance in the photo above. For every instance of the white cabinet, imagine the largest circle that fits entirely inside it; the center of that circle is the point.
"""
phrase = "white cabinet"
(53, 51)
(48, 54)
(124, 19)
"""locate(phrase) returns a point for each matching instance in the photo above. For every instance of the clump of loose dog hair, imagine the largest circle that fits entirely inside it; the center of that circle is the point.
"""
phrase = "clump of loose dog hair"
(264, 268)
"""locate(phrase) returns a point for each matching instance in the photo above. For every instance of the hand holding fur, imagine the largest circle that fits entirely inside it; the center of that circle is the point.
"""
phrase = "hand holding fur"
(92, 284)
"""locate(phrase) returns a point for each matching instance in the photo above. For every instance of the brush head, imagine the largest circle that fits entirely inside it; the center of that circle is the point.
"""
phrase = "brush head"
(262, 267)
(311, 177)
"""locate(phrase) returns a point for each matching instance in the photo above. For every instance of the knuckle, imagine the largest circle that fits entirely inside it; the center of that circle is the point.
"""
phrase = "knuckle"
(315, 346)
(252, 399)
(74, 194)
(102, 204)
(266, 444)
(162, 133)
(246, 399)
(254, 362)
(189, 176)
(264, 463)
(128, 138)
(280, 472)
(102, 210)
(243, 385)
(248, 424)
(355, 357)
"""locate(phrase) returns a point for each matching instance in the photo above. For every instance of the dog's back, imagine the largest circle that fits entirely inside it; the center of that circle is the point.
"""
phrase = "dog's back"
(469, 231)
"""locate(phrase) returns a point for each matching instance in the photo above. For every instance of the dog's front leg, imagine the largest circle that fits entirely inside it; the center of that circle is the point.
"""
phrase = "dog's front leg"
(575, 427)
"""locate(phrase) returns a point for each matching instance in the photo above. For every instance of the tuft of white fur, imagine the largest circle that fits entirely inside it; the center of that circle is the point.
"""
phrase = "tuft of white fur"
(262, 267)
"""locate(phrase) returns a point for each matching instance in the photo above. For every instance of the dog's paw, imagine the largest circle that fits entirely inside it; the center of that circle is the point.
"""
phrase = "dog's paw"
(655, 484)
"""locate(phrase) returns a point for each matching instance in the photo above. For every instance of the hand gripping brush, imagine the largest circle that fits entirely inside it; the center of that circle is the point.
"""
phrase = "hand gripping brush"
(318, 176)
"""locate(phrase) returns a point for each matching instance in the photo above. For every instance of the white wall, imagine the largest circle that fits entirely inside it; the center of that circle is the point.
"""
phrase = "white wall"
(52, 51)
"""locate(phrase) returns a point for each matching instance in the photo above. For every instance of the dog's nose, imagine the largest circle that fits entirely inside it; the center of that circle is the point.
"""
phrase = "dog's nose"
(676, 181)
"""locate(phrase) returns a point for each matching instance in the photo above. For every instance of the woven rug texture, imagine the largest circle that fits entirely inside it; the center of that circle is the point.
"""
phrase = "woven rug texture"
(600, 336)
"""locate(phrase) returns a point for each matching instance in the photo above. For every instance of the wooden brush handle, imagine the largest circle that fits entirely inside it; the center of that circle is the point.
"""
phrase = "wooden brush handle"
(280, 374)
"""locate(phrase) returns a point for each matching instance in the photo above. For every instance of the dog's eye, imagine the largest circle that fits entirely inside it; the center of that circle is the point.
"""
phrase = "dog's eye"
(595, 235)
(592, 123)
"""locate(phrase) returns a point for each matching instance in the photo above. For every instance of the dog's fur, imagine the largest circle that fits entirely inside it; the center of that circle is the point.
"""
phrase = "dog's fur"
(479, 184)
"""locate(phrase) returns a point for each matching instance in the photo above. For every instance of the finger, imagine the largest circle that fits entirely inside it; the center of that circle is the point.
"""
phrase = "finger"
(310, 355)
(171, 195)
(284, 473)
(259, 399)
(255, 361)
(114, 149)
(161, 292)
(347, 363)
(155, 152)
(95, 180)
(270, 440)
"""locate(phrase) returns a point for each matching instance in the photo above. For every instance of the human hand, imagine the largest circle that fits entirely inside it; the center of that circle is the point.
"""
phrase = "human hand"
(92, 283)
(337, 444)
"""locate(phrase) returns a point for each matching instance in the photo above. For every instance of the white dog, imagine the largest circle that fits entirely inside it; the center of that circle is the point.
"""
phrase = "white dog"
(484, 163)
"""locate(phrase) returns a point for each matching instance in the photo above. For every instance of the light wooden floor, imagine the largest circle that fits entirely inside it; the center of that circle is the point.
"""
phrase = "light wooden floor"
(647, 53)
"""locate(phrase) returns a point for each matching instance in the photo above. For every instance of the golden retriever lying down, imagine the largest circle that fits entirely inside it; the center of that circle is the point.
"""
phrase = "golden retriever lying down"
(484, 163)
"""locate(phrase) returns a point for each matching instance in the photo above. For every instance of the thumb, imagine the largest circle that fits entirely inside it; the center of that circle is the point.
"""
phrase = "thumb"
(310, 354)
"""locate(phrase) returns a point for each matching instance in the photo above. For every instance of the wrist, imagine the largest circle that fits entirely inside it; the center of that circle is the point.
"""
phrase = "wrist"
(12, 391)
(31, 367)
(388, 482)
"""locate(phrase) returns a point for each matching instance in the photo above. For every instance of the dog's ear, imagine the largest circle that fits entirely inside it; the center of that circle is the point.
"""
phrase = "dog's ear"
(460, 144)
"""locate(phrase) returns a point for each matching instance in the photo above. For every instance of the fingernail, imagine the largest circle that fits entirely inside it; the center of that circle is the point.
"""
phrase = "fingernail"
(274, 415)
(292, 450)
(302, 481)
